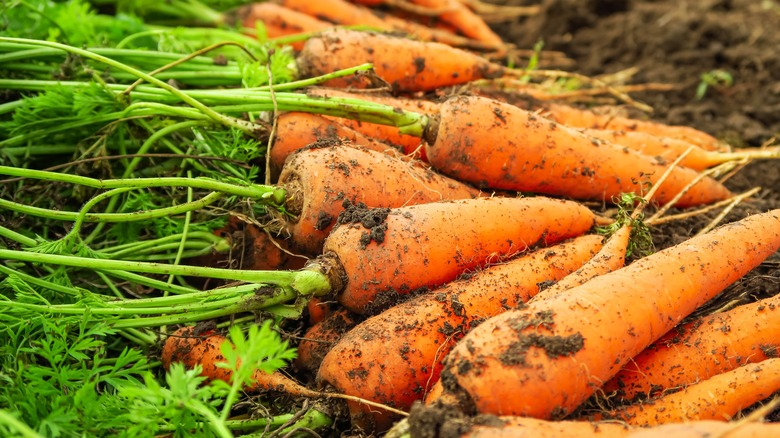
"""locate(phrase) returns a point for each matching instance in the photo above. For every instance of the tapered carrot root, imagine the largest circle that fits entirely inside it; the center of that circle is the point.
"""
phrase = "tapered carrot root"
(405, 64)
(718, 398)
(610, 258)
(578, 118)
(280, 21)
(560, 350)
(191, 347)
(413, 337)
(321, 337)
(427, 245)
(296, 130)
(497, 145)
(707, 346)
(320, 181)
(671, 148)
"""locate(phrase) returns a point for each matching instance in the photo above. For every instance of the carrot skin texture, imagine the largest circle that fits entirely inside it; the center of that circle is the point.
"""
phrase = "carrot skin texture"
(414, 336)
(407, 65)
(710, 429)
(430, 244)
(710, 345)
(579, 118)
(297, 130)
(321, 337)
(610, 258)
(324, 178)
(280, 21)
(562, 349)
(188, 346)
(497, 145)
(718, 398)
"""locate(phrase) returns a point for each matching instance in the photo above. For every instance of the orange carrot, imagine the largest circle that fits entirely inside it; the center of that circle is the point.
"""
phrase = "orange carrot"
(497, 145)
(459, 16)
(280, 21)
(579, 118)
(405, 64)
(321, 337)
(256, 249)
(718, 398)
(702, 348)
(413, 337)
(387, 253)
(320, 181)
(560, 350)
(489, 426)
(390, 134)
(191, 347)
(671, 148)
(342, 12)
(296, 130)
(318, 309)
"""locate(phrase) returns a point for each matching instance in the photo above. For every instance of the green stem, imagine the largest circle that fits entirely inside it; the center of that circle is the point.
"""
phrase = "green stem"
(112, 217)
(16, 427)
(16, 237)
(217, 117)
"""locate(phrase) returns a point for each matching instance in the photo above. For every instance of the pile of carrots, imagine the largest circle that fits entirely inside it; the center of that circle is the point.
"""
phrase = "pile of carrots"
(451, 291)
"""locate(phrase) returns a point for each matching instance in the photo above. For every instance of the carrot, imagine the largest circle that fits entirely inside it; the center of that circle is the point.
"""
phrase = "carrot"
(579, 118)
(405, 64)
(408, 143)
(459, 16)
(280, 21)
(259, 250)
(560, 350)
(318, 309)
(671, 148)
(342, 12)
(523, 427)
(192, 347)
(702, 348)
(390, 253)
(497, 145)
(413, 337)
(320, 181)
(296, 130)
(321, 337)
(718, 398)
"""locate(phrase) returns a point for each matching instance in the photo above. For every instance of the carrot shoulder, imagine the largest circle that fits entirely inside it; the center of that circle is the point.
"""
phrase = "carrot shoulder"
(497, 145)
(562, 349)
(280, 21)
(704, 347)
(413, 337)
(320, 181)
(394, 252)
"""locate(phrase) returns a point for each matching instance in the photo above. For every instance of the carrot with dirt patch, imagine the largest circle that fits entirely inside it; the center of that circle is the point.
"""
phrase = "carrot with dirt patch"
(322, 182)
(702, 348)
(389, 253)
(561, 350)
(497, 145)
(720, 397)
(413, 337)
(406, 65)
(321, 337)
(280, 21)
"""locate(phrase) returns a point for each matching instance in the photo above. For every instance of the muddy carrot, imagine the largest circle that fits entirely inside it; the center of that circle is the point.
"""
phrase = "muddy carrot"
(321, 337)
(497, 145)
(702, 348)
(391, 253)
(296, 130)
(413, 337)
(562, 349)
(405, 64)
(671, 148)
(718, 398)
(280, 21)
(256, 249)
(192, 347)
(320, 181)
(580, 118)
